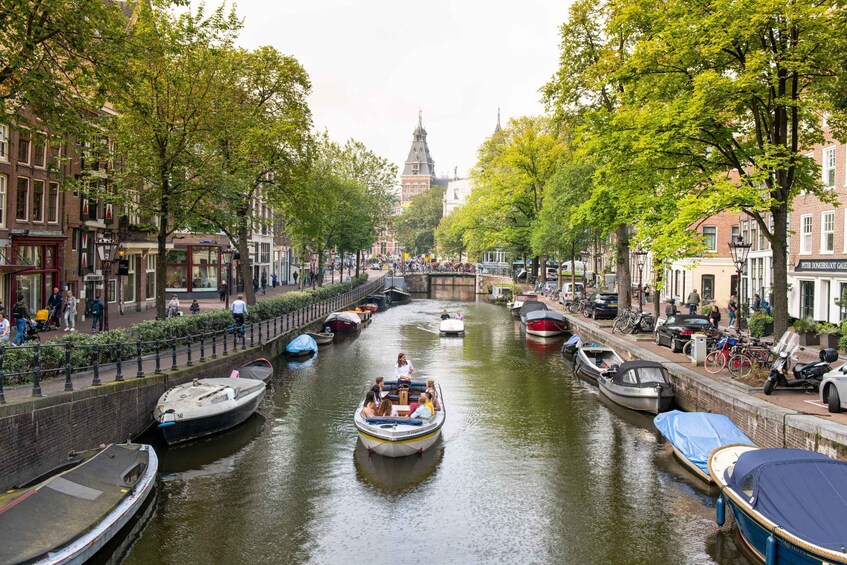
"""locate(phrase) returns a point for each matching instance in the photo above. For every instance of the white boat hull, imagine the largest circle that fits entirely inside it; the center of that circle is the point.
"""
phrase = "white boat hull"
(399, 448)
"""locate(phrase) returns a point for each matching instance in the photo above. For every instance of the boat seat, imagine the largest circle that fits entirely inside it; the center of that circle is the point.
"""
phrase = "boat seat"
(389, 420)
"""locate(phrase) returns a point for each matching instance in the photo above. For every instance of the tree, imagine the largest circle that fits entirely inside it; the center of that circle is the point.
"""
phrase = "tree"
(415, 228)
(166, 106)
(451, 232)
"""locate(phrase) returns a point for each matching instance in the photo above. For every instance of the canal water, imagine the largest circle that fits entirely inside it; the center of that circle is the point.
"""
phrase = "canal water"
(533, 467)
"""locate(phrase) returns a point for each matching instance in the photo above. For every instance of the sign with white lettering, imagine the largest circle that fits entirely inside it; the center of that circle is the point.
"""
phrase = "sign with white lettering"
(829, 265)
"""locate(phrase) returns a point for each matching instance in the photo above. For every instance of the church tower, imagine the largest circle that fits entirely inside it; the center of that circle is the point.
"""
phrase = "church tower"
(419, 171)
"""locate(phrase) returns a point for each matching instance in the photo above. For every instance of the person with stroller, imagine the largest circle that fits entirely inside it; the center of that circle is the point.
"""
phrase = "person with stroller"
(21, 313)
(54, 304)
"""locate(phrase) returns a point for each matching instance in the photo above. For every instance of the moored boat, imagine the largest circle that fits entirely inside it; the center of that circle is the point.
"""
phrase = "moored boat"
(364, 315)
(571, 346)
(370, 307)
(259, 369)
(301, 346)
(531, 306)
(397, 435)
(379, 300)
(694, 435)
(590, 362)
(638, 385)
(343, 322)
(546, 323)
(206, 406)
(398, 295)
(70, 516)
(323, 338)
(451, 326)
(788, 504)
(518, 302)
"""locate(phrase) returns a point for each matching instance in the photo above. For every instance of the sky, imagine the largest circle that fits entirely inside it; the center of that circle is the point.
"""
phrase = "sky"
(375, 63)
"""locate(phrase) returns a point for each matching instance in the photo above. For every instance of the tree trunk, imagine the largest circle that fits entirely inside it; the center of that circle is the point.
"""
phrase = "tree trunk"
(161, 244)
(624, 277)
(573, 270)
(244, 262)
(319, 275)
(657, 299)
(358, 261)
(779, 244)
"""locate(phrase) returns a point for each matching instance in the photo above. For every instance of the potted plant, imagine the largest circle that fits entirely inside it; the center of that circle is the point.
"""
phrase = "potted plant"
(828, 334)
(760, 324)
(807, 329)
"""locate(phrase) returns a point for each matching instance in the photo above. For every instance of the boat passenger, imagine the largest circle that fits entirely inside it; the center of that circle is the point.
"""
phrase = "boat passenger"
(459, 316)
(404, 369)
(424, 412)
(384, 410)
(369, 409)
(414, 405)
(430, 390)
(377, 389)
(445, 315)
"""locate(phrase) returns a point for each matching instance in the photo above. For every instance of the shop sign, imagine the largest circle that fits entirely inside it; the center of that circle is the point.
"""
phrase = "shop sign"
(212, 241)
(828, 265)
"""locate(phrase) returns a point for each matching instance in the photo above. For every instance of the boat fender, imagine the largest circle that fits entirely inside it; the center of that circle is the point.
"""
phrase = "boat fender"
(770, 550)
(720, 511)
(166, 424)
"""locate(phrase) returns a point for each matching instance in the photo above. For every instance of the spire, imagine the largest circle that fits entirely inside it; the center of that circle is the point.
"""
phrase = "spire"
(497, 129)
(419, 161)
(420, 132)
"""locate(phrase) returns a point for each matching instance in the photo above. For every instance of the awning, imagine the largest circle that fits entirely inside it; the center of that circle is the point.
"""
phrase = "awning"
(12, 269)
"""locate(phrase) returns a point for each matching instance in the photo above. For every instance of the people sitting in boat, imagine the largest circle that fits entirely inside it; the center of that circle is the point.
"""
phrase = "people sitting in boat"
(445, 315)
(433, 396)
(459, 316)
(414, 405)
(424, 410)
(384, 410)
(369, 409)
(404, 369)
(377, 389)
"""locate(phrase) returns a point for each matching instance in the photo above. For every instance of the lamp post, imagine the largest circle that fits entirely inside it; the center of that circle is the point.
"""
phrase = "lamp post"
(640, 256)
(739, 250)
(228, 254)
(583, 256)
(106, 249)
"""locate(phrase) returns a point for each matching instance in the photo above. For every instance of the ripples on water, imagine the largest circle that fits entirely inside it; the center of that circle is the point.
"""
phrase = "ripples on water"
(534, 466)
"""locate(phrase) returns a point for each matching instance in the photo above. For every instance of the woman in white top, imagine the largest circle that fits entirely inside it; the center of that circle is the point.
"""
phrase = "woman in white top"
(4, 329)
(404, 369)
(173, 307)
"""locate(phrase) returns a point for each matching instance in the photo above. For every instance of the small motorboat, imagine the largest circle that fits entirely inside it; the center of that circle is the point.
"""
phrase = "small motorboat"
(323, 338)
(518, 302)
(343, 322)
(452, 327)
(788, 504)
(301, 346)
(398, 295)
(501, 294)
(379, 300)
(260, 369)
(70, 516)
(638, 385)
(546, 323)
(370, 307)
(531, 306)
(364, 315)
(694, 435)
(571, 346)
(590, 362)
(206, 406)
(398, 435)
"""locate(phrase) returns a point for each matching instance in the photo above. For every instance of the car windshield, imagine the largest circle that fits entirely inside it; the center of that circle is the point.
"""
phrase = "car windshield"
(611, 297)
(649, 375)
(693, 321)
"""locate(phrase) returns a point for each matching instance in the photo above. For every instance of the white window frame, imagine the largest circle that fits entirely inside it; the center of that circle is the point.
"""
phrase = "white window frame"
(4, 190)
(804, 249)
(714, 248)
(828, 167)
(830, 214)
(4, 143)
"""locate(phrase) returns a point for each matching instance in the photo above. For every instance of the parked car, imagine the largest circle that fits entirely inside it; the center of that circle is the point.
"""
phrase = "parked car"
(552, 273)
(678, 329)
(601, 305)
(570, 290)
(833, 389)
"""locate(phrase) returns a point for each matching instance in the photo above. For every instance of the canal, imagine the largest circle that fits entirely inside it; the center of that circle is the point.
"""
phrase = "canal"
(533, 466)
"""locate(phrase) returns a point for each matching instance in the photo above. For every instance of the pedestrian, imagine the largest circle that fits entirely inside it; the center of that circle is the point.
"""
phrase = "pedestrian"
(715, 316)
(273, 280)
(173, 307)
(222, 290)
(693, 301)
(96, 309)
(732, 308)
(54, 305)
(239, 310)
(195, 307)
(69, 310)
(4, 329)
(670, 309)
(296, 274)
(255, 285)
(21, 313)
(757, 302)
(264, 282)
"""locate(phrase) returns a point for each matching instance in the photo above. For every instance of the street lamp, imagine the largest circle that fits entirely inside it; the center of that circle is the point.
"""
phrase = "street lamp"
(739, 250)
(228, 253)
(640, 256)
(583, 256)
(106, 250)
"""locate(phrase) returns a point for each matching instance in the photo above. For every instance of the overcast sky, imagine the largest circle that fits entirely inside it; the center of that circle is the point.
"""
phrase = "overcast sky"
(374, 63)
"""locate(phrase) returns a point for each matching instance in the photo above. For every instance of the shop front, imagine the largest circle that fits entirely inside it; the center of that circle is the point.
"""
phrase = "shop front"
(817, 289)
(194, 269)
(42, 258)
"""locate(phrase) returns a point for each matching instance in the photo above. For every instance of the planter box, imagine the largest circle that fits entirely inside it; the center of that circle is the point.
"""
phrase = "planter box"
(769, 328)
(808, 338)
(829, 340)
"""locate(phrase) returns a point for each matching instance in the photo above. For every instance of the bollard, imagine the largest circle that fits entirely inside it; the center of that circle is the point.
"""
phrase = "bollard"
(36, 372)
(244, 339)
(69, 384)
(140, 372)
(2, 376)
(275, 332)
(95, 359)
(214, 345)
(252, 327)
(238, 329)
(188, 363)
(173, 354)
(119, 376)
(260, 334)
(224, 353)
(202, 348)
(158, 370)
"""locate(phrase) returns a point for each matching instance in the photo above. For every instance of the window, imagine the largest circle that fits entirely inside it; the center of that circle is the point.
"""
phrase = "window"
(37, 200)
(754, 235)
(735, 231)
(53, 203)
(806, 234)
(4, 180)
(22, 198)
(23, 147)
(266, 253)
(128, 289)
(710, 238)
(807, 299)
(74, 239)
(150, 282)
(828, 232)
(55, 156)
(4, 143)
(829, 167)
(708, 286)
(39, 153)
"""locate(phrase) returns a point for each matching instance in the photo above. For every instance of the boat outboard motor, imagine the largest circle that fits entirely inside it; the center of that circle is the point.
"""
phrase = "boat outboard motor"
(807, 376)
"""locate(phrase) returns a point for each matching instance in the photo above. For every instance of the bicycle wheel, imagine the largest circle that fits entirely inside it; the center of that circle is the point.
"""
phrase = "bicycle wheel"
(715, 362)
(620, 326)
(740, 365)
(573, 306)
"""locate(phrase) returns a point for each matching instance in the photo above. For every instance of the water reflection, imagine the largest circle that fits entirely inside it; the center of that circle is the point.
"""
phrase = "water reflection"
(544, 345)
(396, 475)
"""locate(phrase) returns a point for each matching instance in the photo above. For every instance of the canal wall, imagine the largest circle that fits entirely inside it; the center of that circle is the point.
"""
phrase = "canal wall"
(36, 435)
(766, 424)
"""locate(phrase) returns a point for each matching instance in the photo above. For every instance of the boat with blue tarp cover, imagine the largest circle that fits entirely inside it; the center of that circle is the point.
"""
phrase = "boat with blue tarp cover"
(694, 435)
(395, 434)
(788, 504)
(301, 345)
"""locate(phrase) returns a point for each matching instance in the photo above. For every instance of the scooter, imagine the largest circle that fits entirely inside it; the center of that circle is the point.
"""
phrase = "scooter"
(643, 323)
(807, 376)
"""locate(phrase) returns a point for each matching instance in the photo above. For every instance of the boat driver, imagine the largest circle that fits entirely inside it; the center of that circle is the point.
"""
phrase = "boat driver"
(404, 369)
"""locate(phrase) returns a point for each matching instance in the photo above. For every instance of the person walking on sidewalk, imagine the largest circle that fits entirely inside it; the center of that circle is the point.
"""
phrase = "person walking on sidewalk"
(54, 305)
(255, 285)
(732, 308)
(693, 301)
(21, 313)
(296, 274)
(4, 329)
(222, 290)
(69, 310)
(264, 282)
(96, 309)
(239, 310)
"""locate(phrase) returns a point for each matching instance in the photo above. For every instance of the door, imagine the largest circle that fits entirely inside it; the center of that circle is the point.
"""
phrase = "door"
(708, 286)
(807, 299)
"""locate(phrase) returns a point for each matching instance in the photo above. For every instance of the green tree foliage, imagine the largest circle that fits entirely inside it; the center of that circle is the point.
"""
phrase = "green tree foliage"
(450, 233)
(415, 228)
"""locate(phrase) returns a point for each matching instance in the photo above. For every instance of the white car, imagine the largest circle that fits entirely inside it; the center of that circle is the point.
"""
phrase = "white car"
(567, 293)
(833, 389)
